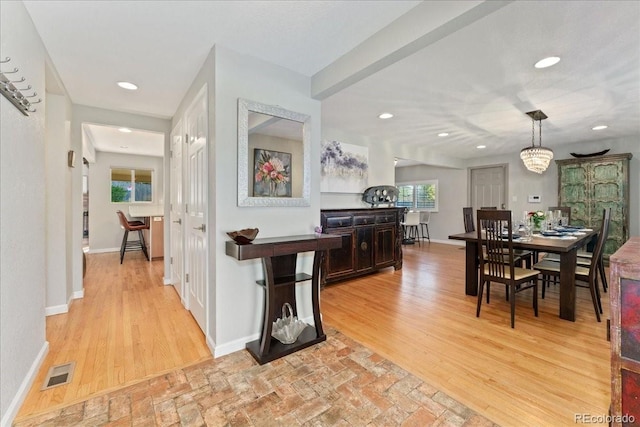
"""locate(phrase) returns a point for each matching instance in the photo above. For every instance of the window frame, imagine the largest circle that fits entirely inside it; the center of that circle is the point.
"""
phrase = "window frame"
(133, 171)
(414, 201)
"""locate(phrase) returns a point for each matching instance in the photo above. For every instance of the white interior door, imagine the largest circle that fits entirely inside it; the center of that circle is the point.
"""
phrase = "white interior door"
(196, 208)
(488, 187)
(176, 214)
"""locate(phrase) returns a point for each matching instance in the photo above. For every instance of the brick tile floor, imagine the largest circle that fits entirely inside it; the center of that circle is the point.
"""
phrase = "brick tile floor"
(335, 383)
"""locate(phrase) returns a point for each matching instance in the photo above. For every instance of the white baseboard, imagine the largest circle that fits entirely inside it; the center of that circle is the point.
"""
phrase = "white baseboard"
(232, 346)
(18, 399)
(167, 281)
(449, 242)
(56, 309)
(212, 346)
(78, 294)
(102, 251)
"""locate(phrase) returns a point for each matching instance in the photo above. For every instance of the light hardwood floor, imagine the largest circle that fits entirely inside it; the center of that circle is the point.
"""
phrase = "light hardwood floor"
(129, 326)
(539, 374)
(542, 373)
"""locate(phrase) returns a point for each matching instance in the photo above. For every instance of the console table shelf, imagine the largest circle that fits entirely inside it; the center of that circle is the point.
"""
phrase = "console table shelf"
(279, 256)
(287, 280)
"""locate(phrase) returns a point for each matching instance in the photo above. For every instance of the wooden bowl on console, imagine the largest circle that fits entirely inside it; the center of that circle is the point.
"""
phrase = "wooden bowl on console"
(243, 236)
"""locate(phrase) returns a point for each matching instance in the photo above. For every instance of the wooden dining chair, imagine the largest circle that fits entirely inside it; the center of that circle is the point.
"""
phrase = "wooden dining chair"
(498, 264)
(523, 256)
(588, 275)
(467, 216)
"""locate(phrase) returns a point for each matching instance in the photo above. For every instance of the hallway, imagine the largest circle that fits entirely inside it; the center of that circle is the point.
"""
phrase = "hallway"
(129, 326)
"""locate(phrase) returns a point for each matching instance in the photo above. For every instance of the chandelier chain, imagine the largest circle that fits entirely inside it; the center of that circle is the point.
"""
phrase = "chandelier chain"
(540, 128)
(536, 158)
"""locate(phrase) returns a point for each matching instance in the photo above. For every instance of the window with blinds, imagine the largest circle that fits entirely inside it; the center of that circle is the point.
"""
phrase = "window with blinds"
(421, 196)
(131, 185)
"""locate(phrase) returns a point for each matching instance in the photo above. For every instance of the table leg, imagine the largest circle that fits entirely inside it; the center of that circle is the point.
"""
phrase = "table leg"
(269, 305)
(568, 285)
(315, 291)
(471, 268)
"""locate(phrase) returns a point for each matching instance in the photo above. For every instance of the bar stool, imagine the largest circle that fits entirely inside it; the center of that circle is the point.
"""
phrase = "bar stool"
(424, 224)
(134, 245)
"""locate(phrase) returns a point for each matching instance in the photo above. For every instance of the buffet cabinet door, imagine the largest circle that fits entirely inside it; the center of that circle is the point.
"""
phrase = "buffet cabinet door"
(341, 261)
(385, 246)
(364, 248)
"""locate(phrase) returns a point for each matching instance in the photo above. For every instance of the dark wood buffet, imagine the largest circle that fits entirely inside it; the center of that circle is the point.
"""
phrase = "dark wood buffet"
(371, 240)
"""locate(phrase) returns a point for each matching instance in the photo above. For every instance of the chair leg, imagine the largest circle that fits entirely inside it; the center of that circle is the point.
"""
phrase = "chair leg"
(480, 291)
(513, 305)
(593, 299)
(535, 296)
(144, 244)
(603, 275)
(427, 228)
(415, 231)
(597, 288)
(123, 246)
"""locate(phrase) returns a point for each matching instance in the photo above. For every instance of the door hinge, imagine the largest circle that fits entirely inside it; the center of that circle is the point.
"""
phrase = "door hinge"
(186, 138)
(171, 154)
(186, 207)
(171, 260)
(186, 278)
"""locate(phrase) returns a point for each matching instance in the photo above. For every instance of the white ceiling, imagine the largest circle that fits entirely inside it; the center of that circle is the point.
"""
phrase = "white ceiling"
(475, 82)
(111, 140)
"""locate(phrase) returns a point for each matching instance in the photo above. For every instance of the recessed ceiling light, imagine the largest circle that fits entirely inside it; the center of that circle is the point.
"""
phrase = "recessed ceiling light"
(124, 146)
(547, 62)
(481, 147)
(385, 116)
(599, 127)
(443, 134)
(128, 85)
(125, 130)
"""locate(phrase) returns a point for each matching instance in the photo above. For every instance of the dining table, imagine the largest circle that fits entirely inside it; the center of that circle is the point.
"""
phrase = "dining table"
(567, 247)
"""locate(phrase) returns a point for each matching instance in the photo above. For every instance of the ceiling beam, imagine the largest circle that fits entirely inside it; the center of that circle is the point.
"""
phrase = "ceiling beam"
(422, 26)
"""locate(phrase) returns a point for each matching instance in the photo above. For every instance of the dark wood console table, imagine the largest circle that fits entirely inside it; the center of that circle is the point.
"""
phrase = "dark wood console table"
(279, 255)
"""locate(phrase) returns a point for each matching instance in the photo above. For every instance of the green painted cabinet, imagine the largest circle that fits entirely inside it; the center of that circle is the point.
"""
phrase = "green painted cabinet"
(589, 185)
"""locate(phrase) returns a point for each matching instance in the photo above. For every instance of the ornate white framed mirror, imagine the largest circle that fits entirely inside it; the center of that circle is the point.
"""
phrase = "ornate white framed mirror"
(274, 156)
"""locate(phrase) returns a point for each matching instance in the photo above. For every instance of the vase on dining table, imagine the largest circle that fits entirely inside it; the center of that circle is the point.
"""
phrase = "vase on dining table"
(537, 225)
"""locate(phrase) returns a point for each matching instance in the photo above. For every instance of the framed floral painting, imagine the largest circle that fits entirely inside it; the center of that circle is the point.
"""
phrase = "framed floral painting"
(271, 173)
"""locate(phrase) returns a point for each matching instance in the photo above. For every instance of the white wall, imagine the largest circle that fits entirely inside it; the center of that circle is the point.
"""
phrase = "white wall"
(235, 301)
(452, 196)
(22, 216)
(105, 233)
(239, 300)
(58, 192)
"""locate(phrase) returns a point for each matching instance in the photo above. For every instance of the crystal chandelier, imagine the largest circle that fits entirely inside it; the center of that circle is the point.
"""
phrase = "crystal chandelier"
(536, 159)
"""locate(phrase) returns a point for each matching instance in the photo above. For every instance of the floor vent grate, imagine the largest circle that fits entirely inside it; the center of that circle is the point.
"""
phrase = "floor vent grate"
(59, 375)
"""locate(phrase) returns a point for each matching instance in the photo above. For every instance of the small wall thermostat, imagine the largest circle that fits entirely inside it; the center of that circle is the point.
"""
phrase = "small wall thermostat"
(534, 198)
